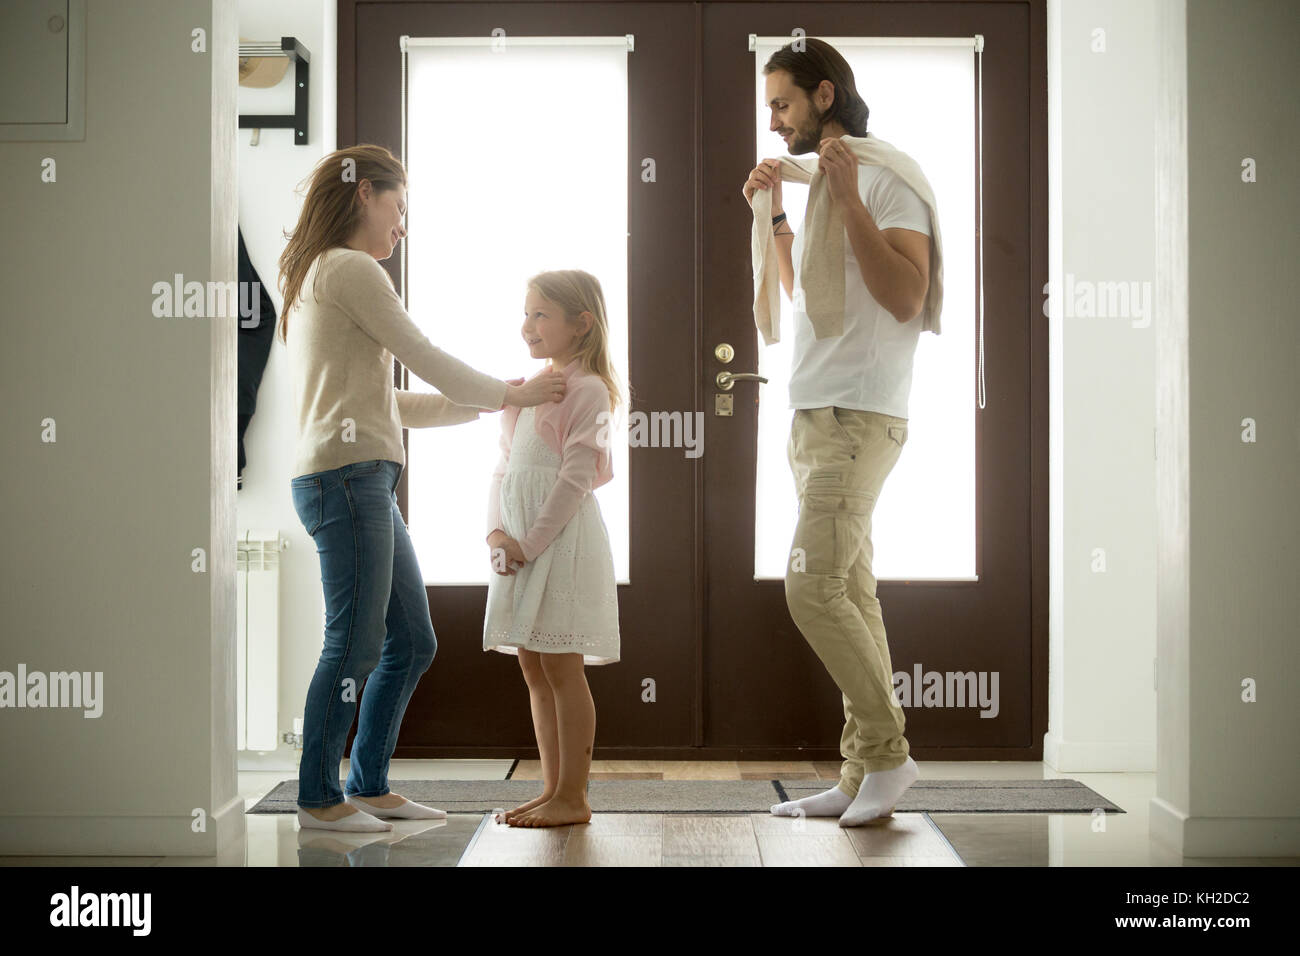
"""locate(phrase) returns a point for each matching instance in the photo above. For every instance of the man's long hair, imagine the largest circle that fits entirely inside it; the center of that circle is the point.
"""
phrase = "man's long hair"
(821, 61)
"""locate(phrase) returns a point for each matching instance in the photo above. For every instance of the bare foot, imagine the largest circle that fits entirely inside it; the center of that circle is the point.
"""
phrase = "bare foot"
(387, 801)
(556, 812)
(336, 812)
(523, 808)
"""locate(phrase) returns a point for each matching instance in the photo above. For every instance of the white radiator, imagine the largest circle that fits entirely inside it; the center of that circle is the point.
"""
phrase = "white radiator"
(257, 568)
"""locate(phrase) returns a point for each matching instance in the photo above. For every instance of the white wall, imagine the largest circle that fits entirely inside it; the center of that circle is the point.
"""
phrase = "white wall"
(269, 174)
(99, 525)
(1146, 141)
(1173, 564)
(1101, 667)
(1228, 777)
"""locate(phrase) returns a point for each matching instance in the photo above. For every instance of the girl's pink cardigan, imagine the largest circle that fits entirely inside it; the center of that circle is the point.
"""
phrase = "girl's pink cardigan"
(579, 434)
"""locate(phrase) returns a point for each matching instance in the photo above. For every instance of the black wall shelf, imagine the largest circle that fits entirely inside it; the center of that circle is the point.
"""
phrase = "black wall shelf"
(297, 120)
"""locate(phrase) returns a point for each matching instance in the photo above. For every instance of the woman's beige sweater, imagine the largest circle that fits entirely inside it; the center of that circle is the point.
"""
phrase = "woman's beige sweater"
(341, 344)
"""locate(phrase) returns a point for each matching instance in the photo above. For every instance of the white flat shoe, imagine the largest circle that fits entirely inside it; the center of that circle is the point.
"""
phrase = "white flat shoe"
(359, 822)
(407, 811)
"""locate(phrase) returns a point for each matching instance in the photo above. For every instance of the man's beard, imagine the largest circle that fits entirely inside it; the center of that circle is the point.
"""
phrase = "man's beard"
(808, 141)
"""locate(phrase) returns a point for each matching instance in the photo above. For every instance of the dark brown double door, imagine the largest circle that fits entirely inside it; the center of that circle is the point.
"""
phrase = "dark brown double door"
(731, 675)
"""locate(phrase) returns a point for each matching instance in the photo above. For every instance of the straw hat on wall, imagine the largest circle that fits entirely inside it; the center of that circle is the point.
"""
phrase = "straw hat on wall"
(261, 71)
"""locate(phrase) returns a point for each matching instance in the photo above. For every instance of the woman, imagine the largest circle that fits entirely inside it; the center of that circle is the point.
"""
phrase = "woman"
(349, 325)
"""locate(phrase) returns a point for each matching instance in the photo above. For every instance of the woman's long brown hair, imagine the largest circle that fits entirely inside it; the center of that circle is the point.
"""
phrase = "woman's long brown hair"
(331, 213)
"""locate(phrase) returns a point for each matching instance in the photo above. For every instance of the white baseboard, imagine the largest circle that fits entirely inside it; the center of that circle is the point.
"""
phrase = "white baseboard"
(1099, 756)
(223, 836)
(1222, 836)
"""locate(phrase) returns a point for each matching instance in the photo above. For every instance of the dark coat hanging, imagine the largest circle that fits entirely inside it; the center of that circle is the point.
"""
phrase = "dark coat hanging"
(256, 330)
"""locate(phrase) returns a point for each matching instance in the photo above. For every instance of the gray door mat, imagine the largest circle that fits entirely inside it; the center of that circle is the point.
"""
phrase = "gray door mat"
(731, 796)
(983, 796)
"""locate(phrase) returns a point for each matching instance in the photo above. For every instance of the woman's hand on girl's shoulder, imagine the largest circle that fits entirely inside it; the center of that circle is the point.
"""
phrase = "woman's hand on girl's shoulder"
(547, 385)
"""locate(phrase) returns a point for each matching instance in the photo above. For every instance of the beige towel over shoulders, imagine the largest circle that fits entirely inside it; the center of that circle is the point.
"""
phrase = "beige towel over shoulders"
(821, 269)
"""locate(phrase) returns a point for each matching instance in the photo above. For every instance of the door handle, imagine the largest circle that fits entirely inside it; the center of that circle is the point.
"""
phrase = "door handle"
(726, 380)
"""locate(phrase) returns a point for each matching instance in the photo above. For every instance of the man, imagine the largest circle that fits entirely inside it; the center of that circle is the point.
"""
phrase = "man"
(849, 386)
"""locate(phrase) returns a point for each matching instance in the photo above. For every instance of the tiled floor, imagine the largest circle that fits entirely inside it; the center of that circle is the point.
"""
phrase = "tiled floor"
(757, 839)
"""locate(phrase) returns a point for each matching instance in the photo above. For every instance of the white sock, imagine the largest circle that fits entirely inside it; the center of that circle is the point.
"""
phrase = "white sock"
(353, 821)
(879, 793)
(831, 803)
(406, 811)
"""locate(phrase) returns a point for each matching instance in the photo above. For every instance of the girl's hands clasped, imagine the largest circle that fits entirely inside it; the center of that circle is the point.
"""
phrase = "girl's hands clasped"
(546, 386)
(514, 555)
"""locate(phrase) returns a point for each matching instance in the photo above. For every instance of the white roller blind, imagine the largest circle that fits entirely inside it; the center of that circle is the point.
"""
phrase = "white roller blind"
(526, 174)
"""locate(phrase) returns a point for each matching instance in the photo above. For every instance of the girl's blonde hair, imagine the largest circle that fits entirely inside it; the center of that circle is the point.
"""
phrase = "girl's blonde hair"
(332, 212)
(576, 292)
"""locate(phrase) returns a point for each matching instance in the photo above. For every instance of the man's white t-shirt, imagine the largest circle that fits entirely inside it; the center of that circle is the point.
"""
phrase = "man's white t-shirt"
(869, 366)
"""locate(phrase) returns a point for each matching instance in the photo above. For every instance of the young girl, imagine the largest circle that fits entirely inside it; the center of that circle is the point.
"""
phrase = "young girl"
(553, 600)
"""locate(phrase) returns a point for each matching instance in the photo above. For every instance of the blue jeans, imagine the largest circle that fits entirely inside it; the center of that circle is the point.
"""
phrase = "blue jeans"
(374, 601)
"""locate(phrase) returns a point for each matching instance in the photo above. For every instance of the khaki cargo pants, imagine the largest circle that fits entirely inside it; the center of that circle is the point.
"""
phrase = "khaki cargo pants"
(840, 458)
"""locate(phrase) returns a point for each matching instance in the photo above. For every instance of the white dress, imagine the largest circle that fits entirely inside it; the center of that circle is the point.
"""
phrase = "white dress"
(565, 599)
